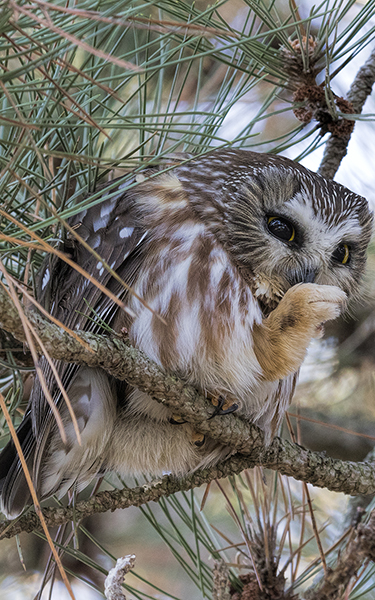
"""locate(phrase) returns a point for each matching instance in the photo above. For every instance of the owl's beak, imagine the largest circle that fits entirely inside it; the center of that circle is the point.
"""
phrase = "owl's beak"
(303, 276)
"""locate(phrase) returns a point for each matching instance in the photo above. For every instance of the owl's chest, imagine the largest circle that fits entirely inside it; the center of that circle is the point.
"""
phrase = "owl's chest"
(200, 313)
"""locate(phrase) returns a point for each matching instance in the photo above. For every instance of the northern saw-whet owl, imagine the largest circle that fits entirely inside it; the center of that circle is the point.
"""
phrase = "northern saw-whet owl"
(244, 256)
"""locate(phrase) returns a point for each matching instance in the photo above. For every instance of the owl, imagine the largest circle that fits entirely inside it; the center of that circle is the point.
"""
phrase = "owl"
(235, 260)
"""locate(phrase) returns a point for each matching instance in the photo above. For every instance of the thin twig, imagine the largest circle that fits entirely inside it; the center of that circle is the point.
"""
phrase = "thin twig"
(309, 503)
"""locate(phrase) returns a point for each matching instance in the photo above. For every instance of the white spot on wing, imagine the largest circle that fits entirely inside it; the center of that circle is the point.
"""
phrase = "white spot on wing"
(107, 207)
(126, 232)
(100, 267)
(46, 278)
(101, 222)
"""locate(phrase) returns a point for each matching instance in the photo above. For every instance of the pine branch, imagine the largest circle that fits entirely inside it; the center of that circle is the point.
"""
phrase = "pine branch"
(358, 550)
(121, 360)
(336, 147)
(288, 459)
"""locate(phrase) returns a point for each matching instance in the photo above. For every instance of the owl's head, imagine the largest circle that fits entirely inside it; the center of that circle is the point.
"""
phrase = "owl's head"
(284, 224)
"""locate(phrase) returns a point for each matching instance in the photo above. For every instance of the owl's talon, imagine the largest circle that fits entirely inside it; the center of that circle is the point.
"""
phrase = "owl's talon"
(176, 420)
(223, 406)
(198, 439)
(225, 411)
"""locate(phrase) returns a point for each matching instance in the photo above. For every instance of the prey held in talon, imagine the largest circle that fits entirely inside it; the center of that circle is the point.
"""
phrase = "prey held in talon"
(236, 260)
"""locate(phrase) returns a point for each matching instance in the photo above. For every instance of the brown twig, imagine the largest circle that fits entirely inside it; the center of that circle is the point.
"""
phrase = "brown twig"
(358, 550)
(336, 147)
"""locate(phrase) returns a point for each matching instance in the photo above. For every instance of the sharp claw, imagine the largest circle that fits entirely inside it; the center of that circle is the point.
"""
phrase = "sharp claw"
(176, 420)
(218, 402)
(219, 410)
(232, 408)
(198, 439)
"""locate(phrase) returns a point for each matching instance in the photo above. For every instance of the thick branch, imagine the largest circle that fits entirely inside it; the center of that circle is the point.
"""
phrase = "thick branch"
(124, 362)
(288, 459)
(336, 147)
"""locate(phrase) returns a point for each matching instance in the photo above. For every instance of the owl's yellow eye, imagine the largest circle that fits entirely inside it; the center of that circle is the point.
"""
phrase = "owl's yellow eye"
(342, 254)
(281, 228)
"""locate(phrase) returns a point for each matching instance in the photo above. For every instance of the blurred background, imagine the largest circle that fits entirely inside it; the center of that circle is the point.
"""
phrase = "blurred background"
(88, 92)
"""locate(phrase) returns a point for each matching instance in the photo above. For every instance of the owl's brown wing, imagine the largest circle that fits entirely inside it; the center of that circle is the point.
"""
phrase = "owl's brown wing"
(112, 230)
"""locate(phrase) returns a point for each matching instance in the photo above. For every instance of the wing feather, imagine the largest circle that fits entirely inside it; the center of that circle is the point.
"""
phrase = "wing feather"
(112, 229)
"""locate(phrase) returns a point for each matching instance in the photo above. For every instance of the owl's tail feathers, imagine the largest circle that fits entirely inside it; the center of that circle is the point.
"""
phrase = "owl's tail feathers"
(14, 491)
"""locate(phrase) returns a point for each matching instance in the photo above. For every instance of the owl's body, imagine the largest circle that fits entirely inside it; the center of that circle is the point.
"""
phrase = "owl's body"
(238, 259)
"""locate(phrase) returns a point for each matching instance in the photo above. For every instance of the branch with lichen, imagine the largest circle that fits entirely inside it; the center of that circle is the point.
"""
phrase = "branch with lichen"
(124, 362)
